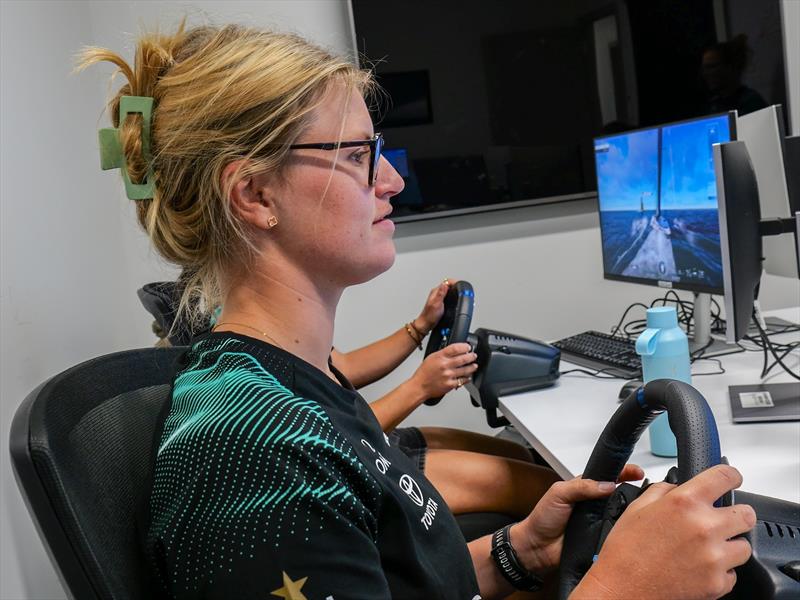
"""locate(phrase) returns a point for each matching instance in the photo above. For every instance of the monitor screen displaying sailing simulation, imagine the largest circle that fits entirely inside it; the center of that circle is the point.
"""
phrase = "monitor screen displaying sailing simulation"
(658, 204)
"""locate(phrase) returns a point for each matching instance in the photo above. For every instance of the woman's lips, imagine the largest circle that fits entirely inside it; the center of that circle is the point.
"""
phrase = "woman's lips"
(384, 224)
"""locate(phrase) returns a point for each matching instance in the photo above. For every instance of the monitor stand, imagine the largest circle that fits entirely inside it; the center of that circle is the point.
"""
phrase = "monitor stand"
(702, 331)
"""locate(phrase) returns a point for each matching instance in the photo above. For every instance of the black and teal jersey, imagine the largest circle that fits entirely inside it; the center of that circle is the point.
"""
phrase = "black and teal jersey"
(271, 480)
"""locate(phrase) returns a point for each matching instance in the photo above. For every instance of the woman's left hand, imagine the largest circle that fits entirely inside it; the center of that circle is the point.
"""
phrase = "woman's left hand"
(542, 531)
(434, 307)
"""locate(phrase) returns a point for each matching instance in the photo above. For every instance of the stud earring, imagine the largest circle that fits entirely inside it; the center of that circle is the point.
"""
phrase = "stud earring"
(271, 222)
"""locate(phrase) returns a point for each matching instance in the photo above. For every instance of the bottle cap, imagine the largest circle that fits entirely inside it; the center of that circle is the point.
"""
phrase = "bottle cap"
(662, 317)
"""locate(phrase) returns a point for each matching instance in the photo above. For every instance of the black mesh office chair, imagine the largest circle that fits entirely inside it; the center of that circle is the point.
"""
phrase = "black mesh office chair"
(81, 446)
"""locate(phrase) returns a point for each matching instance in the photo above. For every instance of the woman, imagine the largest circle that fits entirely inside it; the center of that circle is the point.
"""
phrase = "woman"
(265, 182)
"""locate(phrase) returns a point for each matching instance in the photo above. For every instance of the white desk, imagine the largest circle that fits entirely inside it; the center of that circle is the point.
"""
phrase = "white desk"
(563, 422)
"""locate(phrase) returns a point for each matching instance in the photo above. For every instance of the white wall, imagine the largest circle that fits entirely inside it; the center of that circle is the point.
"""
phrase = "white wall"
(71, 256)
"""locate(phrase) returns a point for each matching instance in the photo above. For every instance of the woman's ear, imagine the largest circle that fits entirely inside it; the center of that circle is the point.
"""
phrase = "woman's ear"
(249, 197)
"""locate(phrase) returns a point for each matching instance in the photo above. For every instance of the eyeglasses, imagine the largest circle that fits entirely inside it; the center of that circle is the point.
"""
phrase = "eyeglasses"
(375, 144)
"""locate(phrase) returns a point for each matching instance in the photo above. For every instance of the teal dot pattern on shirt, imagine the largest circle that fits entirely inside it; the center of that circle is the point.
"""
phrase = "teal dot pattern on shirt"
(243, 462)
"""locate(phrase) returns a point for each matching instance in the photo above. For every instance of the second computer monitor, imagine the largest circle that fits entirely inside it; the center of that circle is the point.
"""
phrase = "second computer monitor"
(658, 204)
(770, 154)
(739, 218)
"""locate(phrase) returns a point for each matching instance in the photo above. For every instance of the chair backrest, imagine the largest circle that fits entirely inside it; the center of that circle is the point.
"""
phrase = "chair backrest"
(81, 448)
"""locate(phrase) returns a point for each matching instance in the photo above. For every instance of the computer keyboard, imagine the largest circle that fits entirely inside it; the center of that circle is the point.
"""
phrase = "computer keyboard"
(598, 350)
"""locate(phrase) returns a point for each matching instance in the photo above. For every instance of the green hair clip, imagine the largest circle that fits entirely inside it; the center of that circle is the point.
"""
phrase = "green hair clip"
(111, 155)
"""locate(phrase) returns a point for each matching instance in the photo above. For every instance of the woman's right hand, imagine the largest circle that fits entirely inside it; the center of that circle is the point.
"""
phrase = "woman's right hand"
(445, 370)
(673, 543)
(434, 307)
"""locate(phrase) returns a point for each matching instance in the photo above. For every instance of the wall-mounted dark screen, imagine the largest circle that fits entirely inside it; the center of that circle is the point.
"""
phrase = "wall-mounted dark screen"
(410, 94)
(496, 104)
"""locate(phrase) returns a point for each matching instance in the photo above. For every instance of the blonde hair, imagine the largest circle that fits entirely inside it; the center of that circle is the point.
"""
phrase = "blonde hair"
(221, 94)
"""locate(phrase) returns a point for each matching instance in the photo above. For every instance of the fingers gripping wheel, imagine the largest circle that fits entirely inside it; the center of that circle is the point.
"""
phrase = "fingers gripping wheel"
(693, 424)
(454, 325)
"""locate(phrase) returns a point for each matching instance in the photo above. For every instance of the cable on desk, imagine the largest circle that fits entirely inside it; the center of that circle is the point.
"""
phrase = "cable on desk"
(698, 354)
(786, 351)
(618, 326)
(683, 308)
(600, 373)
(603, 373)
(720, 368)
(685, 314)
(767, 345)
(760, 345)
(790, 328)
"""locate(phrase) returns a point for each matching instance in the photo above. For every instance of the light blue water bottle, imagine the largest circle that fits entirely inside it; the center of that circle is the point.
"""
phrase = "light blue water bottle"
(664, 349)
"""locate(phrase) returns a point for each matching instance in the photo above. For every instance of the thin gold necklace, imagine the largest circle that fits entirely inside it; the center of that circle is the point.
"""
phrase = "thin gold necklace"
(263, 333)
(329, 373)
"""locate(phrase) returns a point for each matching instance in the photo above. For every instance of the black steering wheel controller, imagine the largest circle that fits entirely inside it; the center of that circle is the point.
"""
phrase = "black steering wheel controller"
(507, 364)
(773, 571)
(453, 327)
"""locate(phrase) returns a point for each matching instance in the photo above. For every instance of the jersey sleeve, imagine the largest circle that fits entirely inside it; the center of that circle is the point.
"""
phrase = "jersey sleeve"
(256, 494)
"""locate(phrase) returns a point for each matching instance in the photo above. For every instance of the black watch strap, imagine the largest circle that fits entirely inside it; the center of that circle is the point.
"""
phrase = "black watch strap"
(505, 557)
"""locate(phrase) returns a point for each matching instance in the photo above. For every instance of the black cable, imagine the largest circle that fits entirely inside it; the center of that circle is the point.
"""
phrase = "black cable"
(718, 323)
(768, 345)
(685, 313)
(600, 373)
(616, 328)
(785, 351)
(759, 343)
(790, 328)
(716, 360)
(698, 354)
(764, 348)
(683, 308)
(634, 328)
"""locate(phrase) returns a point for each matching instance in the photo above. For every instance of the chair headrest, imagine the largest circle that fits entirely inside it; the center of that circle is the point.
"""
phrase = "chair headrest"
(161, 299)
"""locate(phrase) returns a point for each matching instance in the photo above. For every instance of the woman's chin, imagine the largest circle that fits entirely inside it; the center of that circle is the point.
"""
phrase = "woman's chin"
(380, 263)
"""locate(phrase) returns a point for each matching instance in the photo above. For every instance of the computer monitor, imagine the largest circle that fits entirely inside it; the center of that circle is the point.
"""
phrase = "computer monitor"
(659, 222)
(791, 161)
(739, 223)
(797, 235)
(763, 133)
(658, 205)
(741, 230)
(627, 191)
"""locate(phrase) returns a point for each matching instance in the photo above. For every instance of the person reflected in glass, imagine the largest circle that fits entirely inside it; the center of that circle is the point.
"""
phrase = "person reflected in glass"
(723, 67)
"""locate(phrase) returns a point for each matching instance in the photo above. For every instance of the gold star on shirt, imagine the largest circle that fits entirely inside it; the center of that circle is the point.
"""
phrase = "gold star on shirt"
(291, 589)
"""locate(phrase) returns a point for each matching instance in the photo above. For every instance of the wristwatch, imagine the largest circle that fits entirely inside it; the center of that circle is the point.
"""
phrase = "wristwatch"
(505, 557)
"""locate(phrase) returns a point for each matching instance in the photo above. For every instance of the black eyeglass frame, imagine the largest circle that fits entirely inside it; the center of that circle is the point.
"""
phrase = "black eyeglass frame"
(375, 144)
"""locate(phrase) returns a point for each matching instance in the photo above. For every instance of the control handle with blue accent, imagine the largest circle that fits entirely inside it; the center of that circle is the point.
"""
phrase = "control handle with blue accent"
(454, 325)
